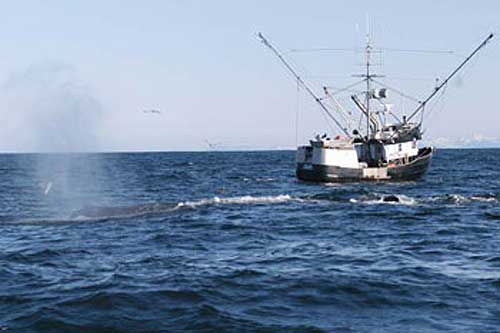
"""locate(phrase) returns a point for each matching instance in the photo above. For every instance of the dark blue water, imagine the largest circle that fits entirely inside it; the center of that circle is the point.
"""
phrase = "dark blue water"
(232, 242)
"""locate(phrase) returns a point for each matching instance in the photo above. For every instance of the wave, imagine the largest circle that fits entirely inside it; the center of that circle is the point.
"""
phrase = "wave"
(492, 215)
(147, 311)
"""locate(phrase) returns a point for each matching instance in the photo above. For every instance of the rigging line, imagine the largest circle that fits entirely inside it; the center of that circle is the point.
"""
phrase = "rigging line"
(346, 115)
(337, 109)
(463, 75)
(326, 76)
(388, 49)
(297, 115)
(333, 90)
(484, 56)
(303, 84)
(395, 117)
(325, 49)
(422, 104)
(422, 116)
(431, 109)
(345, 88)
(375, 50)
(409, 78)
(440, 100)
(352, 91)
(360, 123)
(396, 91)
(327, 122)
(464, 52)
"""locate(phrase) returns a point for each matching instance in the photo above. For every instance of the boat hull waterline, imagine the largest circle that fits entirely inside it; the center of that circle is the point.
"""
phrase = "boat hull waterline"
(413, 170)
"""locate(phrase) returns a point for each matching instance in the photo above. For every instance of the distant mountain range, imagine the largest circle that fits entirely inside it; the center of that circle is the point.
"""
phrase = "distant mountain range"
(474, 141)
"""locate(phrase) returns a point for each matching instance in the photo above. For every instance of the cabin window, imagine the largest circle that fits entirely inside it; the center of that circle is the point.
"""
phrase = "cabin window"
(400, 146)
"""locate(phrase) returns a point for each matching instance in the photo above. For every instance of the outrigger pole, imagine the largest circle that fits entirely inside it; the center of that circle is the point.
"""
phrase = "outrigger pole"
(303, 84)
(422, 104)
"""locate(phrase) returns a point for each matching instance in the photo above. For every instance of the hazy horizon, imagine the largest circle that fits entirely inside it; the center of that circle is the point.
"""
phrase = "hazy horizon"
(79, 76)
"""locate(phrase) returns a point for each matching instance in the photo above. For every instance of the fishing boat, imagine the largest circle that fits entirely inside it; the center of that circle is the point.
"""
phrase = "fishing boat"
(386, 147)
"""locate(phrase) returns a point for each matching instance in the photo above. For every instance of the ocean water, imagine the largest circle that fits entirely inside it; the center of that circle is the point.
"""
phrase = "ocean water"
(233, 242)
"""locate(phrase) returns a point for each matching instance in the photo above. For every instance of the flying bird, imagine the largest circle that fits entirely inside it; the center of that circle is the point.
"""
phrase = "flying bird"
(152, 111)
(212, 145)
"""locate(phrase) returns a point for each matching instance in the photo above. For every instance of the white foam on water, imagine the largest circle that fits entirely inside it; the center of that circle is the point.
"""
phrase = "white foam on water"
(458, 199)
(96, 214)
(332, 184)
(402, 200)
(247, 199)
(484, 199)
(265, 179)
(405, 200)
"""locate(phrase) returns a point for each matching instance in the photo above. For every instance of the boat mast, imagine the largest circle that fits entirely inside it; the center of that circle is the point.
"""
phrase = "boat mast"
(368, 77)
(368, 53)
(422, 104)
(303, 84)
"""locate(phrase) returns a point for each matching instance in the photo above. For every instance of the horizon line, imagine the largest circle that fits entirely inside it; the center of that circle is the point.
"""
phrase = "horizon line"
(189, 151)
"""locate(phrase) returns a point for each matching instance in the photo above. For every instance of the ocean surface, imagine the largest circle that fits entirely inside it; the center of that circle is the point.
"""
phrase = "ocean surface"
(233, 242)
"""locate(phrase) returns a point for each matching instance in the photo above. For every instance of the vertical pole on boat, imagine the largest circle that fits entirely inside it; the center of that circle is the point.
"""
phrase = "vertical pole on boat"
(368, 47)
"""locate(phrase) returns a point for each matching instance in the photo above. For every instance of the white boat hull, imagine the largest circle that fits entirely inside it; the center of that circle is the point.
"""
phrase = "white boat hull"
(411, 168)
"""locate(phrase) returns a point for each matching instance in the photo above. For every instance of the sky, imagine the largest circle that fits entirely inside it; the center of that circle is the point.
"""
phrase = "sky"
(77, 75)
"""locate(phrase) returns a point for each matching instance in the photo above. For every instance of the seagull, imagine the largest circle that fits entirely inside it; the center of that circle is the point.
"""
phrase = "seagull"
(152, 111)
(212, 145)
